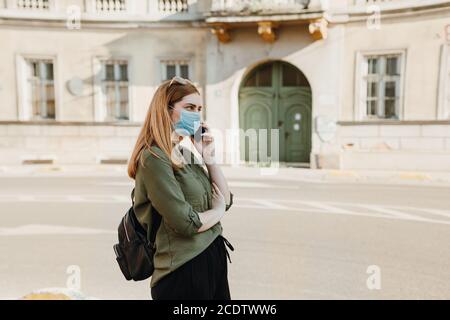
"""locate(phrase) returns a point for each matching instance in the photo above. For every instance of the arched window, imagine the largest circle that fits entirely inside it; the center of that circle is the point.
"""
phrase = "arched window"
(286, 74)
(292, 77)
(260, 77)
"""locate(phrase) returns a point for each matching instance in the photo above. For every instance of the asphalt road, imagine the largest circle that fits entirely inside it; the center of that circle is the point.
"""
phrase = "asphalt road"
(303, 240)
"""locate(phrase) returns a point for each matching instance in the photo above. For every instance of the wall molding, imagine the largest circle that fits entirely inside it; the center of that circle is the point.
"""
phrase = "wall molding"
(70, 123)
(393, 122)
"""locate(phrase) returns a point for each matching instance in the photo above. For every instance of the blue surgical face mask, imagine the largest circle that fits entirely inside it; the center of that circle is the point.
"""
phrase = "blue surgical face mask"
(188, 124)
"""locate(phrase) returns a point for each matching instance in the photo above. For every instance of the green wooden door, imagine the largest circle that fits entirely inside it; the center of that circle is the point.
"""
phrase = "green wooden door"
(277, 96)
(256, 113)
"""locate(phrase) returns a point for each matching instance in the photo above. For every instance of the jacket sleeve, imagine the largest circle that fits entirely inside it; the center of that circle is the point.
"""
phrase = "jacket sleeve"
(165, 194)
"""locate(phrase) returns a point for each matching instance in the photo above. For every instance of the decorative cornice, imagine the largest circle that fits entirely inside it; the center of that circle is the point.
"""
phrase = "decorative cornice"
(358, 14)
(242, 19)
(319, 29)
(227, 20)
(221, 31)
(89, 25)
(393, 122)
(69, 123)
(266, 29)
(267, 24)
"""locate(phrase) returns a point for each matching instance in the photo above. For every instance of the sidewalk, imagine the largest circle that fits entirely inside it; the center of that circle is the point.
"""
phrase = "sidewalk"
(39, 170)
(246, 173)
(344, 176)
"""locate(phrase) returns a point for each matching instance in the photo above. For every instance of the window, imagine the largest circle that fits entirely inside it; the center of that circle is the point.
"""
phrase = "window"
(261, 77)
(380, 90)
(114, 87)
(171, 68)
(444, 84)
(292, 77)
(40, 88)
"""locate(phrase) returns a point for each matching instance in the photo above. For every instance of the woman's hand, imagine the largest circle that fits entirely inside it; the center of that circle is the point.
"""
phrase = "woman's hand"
(218, 200)
(206, 145)
(211, 217)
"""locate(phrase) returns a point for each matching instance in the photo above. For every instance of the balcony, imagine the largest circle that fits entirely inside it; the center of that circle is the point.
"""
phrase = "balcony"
(369, 2)
(175, 9)
(110, 6)
(33, 4)
(245, 7)
(361, 6)
(173, 6)
(28, 9)
(28, 5)
(359, 10)
(266, 16)
(106, 11)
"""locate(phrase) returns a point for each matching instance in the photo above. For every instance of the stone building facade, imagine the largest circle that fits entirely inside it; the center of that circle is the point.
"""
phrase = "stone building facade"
(349, 84)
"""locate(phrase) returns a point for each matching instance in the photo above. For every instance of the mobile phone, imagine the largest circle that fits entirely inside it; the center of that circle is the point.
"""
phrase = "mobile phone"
(203, 131)
(202, 128)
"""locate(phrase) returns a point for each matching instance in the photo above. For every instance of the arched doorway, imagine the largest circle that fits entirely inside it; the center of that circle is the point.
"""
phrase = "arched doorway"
(276, 95)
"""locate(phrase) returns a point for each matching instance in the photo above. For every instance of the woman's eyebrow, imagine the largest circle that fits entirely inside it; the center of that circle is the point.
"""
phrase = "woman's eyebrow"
(191, 104)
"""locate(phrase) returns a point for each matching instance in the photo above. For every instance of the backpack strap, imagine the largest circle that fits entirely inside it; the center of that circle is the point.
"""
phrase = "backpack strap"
(156, 221)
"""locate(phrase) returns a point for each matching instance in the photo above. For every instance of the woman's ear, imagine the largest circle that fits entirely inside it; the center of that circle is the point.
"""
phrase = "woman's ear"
(170, 109)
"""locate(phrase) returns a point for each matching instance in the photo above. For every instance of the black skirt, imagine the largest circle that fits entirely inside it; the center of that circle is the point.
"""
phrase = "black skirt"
(205, 277)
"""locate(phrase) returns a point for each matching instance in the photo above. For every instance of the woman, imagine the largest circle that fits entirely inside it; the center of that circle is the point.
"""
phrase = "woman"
(190, 258)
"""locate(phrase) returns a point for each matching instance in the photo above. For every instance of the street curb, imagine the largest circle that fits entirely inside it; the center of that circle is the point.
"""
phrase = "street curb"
(63, 171)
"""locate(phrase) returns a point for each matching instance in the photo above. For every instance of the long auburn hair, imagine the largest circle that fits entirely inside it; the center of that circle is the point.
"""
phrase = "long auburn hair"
(157, 127)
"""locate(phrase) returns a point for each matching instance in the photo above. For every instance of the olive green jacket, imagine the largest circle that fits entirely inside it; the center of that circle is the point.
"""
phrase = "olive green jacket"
(178, 195)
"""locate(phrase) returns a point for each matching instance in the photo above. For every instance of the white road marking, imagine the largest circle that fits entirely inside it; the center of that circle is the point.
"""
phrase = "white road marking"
(25, 198)
(308, 210)
(299, 206)
(326, 207)
(434, 212)
(74, 199)
(252, 185)
(376, 211)
(271, 204)
(393, 212)
(42, 229)
(45, 198)
(122, 199)
(115, 184)
(352, 213)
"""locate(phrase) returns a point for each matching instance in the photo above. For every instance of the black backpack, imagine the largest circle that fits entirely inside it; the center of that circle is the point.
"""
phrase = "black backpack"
(135, 250)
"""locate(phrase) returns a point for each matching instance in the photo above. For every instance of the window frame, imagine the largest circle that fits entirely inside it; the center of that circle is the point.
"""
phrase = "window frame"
(256, 72)
(361, 84)
(443, 110)
(100, 106)
(163, 62)
(25, 112)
